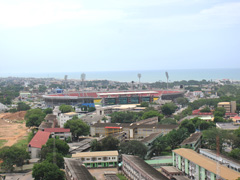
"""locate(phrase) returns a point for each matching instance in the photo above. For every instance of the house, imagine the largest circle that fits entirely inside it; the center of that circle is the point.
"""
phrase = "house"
(198, 167)
(62, 133)
(194, 141)
(98, 158)
(135, 168)
(236, 119)
(75, 170)
(35, 145)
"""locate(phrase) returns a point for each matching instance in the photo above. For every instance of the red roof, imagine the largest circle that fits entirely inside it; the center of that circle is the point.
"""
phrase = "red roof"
(235, 118)
(230, 114)
(39, 139)
(56, 130)
(197, 112)
(109, 127)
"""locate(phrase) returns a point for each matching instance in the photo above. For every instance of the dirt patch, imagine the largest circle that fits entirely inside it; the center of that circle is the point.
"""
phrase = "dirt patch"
(10, 130)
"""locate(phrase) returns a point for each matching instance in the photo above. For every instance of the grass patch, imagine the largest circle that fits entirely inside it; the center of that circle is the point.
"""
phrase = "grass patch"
(121, 177)
(23, 143)
(2, 142)
(166, 153)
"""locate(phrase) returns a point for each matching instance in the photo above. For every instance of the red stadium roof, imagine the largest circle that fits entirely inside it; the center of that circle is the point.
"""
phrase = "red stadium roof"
(39, 139)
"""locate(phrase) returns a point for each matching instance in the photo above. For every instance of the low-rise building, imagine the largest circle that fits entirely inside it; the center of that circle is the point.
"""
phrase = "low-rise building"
(135, 168)
(98, 158)
(75, 170)
(62, 133)
(199, 167)
(227, 126)
(194, 141)
(236, 119)
(35, 145)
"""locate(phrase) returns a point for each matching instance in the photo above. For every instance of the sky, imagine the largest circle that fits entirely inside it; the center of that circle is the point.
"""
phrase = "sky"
(118, 35)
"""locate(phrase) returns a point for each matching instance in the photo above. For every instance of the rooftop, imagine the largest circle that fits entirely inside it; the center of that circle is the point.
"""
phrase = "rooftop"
(224, 103)
(70, 113)
(56, 130)
(145, 167)
(78, 171)
(207, 163)
(227, 126)
(50, 117)
(193, 138)
(39, 139)
(95, 154)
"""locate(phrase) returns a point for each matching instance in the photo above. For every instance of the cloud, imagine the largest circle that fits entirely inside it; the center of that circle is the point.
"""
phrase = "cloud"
(218, 16)
(33, 13)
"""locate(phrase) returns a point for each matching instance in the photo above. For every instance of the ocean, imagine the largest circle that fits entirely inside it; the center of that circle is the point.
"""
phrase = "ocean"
(146, 76)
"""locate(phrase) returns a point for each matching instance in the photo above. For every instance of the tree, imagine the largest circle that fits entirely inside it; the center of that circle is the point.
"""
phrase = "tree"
(182, 101)
(110, 143)
(134, 148)
(21, 106)
(124, 117)
(205, 109)
(66, 108)
(144, 104)
(95, 145)
(188, 125)
(168, 109)
(48, 111)
(150, 114)
(175, 137)
(12, 156)
(219, 119)
(34, 117)
(91, 109)
(54, 144)
(77, 127)
(159, 145)
(168, 121)
(42, 88)
(235, 153)
(57, 157)
(219, 111)
(47, 171)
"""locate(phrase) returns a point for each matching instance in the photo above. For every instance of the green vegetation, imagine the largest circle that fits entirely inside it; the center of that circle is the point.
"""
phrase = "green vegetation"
(134, 148)
(34, 117)
(2, 142)
(23, 143)
(168, 109)
(77, 127)
(91, 109)
(47, 171)
(22, 106)
(182, 101)
(107, 144)
(12, 156)
(205, 109)
(125, 117)
(121, 177)
(66, 108)
(152, 113)
(48, 111)
(9, 92)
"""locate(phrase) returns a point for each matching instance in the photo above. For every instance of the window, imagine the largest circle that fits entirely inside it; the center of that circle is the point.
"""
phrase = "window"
(99, 158)
(83, 159)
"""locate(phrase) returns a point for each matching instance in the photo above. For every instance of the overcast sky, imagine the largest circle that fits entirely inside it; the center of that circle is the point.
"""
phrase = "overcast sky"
(101, 35)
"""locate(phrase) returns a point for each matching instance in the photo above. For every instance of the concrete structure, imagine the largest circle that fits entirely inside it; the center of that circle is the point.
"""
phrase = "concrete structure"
(199, 167)
(98, 158)
(135, 168)
(50, 122)
(64, 117)
(62, 133)
(35, 145)
(227, 126)
(133, 131)
(222, 159)
(194, 141)
(3, 108)
(171, 171)
(230, 107)
(160, 161)
(74, 170)
(236, 119)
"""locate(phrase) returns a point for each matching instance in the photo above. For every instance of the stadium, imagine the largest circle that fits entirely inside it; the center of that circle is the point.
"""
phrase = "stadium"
(109, 98)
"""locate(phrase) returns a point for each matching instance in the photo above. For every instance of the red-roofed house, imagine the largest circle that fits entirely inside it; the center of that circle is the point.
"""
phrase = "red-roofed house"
(35, 145)
(236, 119)
(62, 133)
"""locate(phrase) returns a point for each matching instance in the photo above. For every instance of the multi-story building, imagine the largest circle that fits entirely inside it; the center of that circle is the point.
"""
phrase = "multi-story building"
(133, 131)
(64, 117)
(62, 133)
(135, 168)
(199, 167)
(98, 158)
(194, 141)
(230, 107)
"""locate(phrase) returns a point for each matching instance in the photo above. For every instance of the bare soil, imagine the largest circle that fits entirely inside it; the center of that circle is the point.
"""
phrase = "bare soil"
(12, 127)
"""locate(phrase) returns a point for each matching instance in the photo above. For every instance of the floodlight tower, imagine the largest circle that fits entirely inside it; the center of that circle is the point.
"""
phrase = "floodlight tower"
(83, 77)
(139, 77)
(167, 78)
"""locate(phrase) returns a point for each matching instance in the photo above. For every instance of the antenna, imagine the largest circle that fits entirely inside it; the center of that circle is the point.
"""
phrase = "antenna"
(83, 77)
(139, 77)
(167, 78)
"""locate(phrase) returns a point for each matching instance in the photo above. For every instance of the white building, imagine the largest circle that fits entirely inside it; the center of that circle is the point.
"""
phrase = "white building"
(62, 133)
(64, 117)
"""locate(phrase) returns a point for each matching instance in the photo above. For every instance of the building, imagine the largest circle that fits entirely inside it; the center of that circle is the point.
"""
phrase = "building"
(62, 133)
(3, 108)
(75, 170)
(230, 107)
(64, 117)
(227, 126)
(133, 130)
(199, 167)
(194, 141)
(222, 159)
(135, 168)
(35, 145)
(98, 158)
(108, 98)
(236, 119)
(50, 122)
